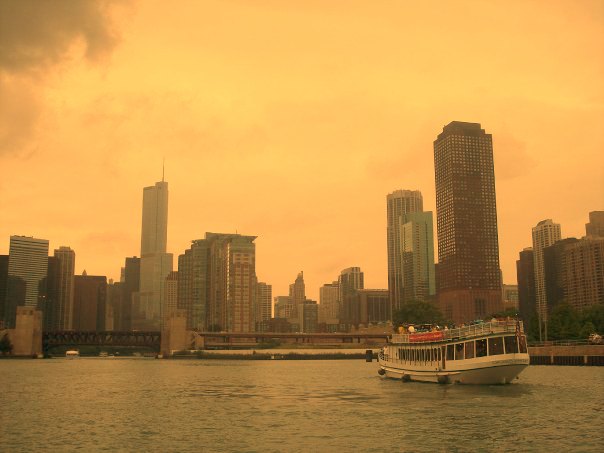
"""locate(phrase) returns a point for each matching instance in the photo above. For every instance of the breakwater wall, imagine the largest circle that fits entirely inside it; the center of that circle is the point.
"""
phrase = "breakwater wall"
(575, 355)
(279, 354)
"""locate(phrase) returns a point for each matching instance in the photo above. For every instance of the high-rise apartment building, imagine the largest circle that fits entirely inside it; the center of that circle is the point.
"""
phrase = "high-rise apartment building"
(264, 297)
(155, 263)
(329, 305)
(398, 204)
(554, 272)
(170, 297)
(595, 227)
(584, 261)
(194, 283)
(469, 277)
(283, 307)
(232, 281)
(417, 247)
(546, 233)
(27, 272)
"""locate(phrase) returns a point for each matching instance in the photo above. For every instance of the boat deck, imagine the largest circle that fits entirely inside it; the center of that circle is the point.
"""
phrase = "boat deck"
(466, 332)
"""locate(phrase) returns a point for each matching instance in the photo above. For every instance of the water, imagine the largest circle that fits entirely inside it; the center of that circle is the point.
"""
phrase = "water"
(151, 405)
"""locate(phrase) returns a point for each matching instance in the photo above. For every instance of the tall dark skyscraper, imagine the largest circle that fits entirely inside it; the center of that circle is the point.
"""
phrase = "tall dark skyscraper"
(525, 273)
(468, 247)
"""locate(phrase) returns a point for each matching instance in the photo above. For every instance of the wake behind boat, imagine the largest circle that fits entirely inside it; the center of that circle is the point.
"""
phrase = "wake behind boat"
(487, 353)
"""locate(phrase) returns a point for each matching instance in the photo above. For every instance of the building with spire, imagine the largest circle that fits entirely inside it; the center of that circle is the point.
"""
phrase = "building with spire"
(155, 263)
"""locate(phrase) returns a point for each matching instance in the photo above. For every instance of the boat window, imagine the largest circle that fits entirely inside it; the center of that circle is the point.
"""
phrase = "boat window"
(435, 355)
(481, 348)
(423, 355)
(450, 350)
(522, 342)
(511, 345)
(495, 346)
(469, 349)
(459, 351)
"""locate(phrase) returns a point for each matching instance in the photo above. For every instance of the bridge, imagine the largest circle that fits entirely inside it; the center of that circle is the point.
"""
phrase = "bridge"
(244, 339)
(151, 340)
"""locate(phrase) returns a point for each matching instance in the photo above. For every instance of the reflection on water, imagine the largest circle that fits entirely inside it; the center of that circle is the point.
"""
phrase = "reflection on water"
(195, 405)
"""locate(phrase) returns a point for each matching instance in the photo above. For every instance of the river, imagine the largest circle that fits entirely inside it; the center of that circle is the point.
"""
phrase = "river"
(137, 404)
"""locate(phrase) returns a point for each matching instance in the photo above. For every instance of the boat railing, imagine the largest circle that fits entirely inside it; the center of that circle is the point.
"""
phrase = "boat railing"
(470, 331)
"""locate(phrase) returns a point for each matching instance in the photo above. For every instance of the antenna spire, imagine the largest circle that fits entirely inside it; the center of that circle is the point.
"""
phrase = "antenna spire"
(163, 170)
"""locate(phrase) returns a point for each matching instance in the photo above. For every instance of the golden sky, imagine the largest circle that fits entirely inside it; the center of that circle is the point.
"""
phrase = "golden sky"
(290, 120)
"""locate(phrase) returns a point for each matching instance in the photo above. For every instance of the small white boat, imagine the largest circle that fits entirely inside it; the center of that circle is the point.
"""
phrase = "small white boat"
(72, 354)
(487, 353)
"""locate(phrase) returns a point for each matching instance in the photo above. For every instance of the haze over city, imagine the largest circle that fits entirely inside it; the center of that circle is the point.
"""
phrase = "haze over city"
(290, 122)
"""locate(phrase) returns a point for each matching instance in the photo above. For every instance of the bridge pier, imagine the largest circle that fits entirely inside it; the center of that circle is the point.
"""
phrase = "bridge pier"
(26, 337)
(174, 336)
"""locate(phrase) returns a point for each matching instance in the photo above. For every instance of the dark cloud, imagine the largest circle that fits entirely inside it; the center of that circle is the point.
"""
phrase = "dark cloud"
(36, 33)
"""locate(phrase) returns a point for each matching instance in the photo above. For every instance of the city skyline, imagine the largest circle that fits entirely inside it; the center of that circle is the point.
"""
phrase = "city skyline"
(297, 151)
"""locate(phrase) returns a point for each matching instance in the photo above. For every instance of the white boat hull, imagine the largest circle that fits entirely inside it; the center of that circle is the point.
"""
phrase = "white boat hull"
(503, 372)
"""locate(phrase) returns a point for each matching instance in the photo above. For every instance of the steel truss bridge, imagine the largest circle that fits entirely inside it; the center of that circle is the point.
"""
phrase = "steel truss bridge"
(52, 339)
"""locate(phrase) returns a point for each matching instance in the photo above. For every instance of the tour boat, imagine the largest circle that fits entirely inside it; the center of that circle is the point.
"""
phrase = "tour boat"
(72, 354)
(486, 353)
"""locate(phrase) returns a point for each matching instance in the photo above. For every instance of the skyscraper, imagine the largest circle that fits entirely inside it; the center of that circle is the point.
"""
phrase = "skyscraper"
(525, 273)
(89, 302)
(398, 204)
(264, 297)
(585, 272)
(232, 278)
(131, 284)
(155, 264)
(297, 290)
(193, 283)
(546, 233)
(170, 296)
(350, 280)
(595, 227)
(417, 247)
(65, 257)
(329, 306)
(27, 269)
(468, 248)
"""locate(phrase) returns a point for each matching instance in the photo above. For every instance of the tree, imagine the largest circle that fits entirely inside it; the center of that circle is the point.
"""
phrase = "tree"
(595, 315)
(6, 347)
(587, 329)
(417, 312)
(508, 312)
(533, 328)
(563, 323)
